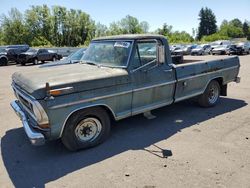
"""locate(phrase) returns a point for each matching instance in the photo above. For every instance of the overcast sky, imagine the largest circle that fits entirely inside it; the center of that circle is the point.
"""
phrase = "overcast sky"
(182, 14)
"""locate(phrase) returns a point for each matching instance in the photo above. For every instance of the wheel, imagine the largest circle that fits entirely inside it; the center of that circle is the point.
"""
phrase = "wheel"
(86, 128)
(3, 62)
(23, 63)
(35, 61)
(54, 58)
(211, 95)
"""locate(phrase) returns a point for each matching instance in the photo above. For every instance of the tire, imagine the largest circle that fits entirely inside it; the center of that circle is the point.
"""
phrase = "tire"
(211, 95)
(23, 63)
(86, 128)
(35, 61)
(3, 62)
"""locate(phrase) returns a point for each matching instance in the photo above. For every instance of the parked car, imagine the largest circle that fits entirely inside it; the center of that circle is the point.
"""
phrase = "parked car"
(184, 50)
(234, 50)
(245, 46)
(177, 50)
(77, 103)
(201, 50)
(71, 59)
(10, 53)
(220, 50)
(36, 55)
(218, 43)
(175, 47)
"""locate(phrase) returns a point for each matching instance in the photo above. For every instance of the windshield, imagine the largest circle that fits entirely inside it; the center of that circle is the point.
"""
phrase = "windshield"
(2, 50)
(199, 47)
(108, 53)
(77, 55)
(32, 50)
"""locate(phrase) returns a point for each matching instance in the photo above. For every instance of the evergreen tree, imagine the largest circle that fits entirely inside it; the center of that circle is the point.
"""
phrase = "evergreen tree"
(245, 28)
(207, 24)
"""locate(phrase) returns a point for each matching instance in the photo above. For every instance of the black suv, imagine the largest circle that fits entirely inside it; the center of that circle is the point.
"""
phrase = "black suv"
(10, 53)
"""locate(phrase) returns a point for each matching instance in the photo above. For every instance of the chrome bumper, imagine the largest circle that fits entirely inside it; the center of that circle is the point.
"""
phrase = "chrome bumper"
(35, 138)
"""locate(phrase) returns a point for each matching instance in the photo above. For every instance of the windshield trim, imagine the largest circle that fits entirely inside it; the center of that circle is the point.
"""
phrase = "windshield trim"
(130, 52)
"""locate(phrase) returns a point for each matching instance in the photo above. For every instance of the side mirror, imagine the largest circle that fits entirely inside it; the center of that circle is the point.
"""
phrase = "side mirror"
(161, 54)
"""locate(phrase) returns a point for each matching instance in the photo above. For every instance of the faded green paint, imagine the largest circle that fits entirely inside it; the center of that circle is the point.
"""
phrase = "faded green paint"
(121, 90)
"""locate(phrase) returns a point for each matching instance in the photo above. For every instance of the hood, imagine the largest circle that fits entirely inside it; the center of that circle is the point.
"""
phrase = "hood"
(57, 63)
(3, 53)
(28, 53)
(196, 50)
(81, 77)
(180, 50)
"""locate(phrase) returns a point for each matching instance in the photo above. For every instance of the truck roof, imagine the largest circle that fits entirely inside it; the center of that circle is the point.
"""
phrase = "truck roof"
(130, 37)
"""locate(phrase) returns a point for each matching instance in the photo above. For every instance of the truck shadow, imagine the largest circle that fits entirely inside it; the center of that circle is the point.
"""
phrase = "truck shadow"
(30, 166)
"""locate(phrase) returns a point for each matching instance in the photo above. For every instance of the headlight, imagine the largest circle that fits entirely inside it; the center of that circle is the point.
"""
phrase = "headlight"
(40, 115)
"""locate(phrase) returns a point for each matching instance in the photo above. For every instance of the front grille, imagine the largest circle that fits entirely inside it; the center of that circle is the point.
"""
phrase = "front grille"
(28, 105)
(25, 103)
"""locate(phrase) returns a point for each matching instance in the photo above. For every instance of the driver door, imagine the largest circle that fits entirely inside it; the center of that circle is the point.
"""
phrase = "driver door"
(153, 83)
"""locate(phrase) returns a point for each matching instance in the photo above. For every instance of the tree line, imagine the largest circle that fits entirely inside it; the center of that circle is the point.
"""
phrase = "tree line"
(58, 26)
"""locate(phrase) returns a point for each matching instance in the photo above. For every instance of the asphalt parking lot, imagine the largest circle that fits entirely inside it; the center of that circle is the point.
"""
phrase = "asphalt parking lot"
(210, 146)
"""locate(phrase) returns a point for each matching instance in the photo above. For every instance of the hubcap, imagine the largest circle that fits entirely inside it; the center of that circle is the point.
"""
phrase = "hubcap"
(88, 129)
(213, 94)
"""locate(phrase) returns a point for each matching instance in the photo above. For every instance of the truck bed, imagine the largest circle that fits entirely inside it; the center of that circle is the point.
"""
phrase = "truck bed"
(195, 73)
(195, 59)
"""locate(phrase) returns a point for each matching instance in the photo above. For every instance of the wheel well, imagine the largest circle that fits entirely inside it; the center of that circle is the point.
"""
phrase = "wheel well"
(4, 59)
(223, 88)
(104, 107)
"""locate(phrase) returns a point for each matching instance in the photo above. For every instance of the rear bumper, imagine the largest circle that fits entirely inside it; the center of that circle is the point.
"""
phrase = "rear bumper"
(36, 138)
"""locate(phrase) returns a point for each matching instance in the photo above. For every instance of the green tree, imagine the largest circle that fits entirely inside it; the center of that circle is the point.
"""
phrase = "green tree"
(144, 26)
(236, 23)
(1, 37)
(130, 25)
(39, 23)
(101, 30)
(14, 29)
(214, 37)
(245, 29)
(207, 25)
(115, 29)
(166, 30)
(231, 29)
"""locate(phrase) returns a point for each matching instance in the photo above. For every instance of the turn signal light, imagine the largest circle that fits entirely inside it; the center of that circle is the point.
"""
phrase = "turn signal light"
(55, 92)
(44, 126)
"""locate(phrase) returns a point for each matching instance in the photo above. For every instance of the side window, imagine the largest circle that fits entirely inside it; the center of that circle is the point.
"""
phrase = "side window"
(146, 51)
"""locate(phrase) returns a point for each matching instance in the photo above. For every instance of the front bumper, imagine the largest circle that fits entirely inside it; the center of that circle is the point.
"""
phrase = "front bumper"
(237, 79)
(36, 138)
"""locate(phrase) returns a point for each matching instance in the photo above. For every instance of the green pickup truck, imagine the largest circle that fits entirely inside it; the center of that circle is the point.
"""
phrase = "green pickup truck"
(118, 77)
